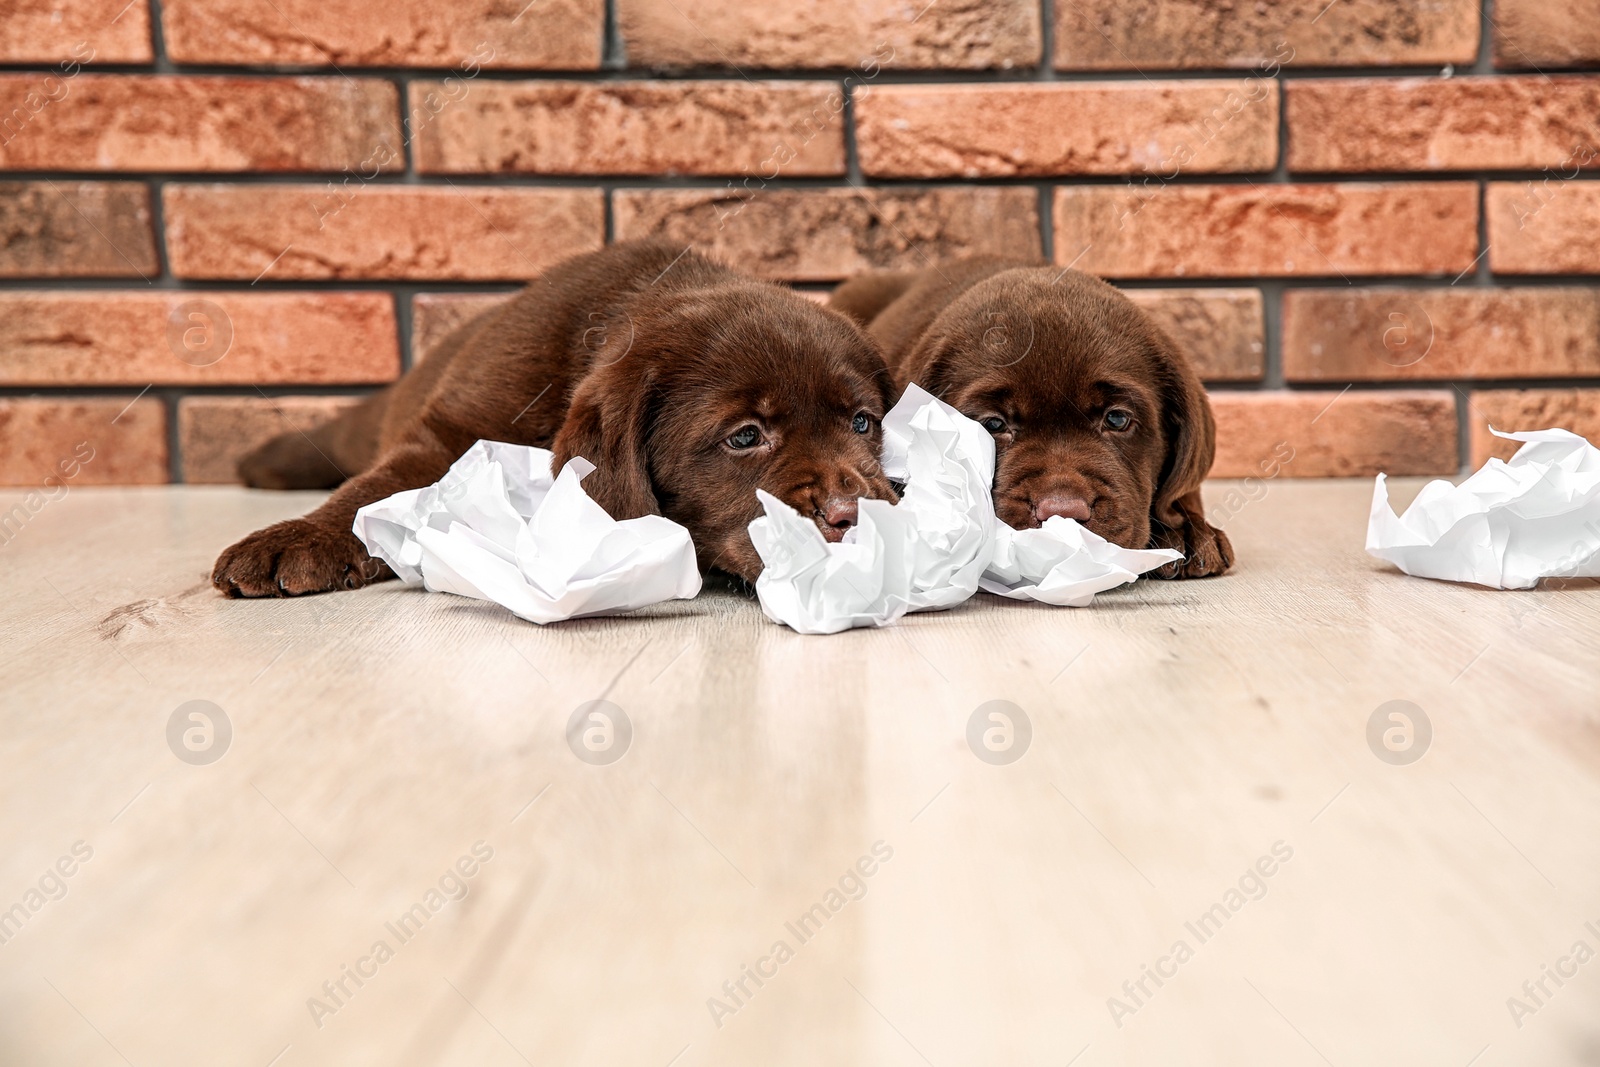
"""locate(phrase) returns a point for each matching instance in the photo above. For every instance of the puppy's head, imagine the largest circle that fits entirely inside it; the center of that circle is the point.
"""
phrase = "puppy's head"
(695, 400)
(1096, 414)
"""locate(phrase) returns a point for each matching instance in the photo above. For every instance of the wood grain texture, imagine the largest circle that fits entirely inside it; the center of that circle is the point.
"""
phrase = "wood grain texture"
(1180, 730)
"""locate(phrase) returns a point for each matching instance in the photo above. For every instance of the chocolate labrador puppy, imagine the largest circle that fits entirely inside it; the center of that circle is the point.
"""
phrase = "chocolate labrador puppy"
(1096, 414)
(687, 385)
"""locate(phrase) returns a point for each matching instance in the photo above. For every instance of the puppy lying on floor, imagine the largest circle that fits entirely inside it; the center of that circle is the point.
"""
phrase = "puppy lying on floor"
(1096, 414)
(687, 385)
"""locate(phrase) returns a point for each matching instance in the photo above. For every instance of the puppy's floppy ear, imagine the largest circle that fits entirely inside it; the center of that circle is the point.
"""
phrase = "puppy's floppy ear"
(608, 423)
(1190, 430)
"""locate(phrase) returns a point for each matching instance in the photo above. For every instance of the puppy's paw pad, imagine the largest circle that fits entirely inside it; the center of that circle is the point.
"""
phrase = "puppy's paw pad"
(295, 558)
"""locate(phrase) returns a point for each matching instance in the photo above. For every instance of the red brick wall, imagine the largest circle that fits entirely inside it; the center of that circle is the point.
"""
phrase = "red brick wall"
(1375, 222)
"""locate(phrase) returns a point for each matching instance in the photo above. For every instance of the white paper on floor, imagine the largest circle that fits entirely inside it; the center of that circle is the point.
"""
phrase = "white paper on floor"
(936, 546)
(1508, 525)
(1063, 563)
(498, 527)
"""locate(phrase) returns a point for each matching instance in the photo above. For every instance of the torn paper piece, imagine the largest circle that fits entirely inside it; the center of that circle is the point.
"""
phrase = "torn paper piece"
(1064, 563)
(498, 527)
(1508, 525)
(924, 553)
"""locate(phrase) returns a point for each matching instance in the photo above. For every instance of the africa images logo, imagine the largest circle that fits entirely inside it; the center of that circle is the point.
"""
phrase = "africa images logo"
(851, 886)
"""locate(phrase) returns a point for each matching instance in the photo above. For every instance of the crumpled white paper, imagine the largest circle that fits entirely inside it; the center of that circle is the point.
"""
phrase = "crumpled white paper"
(934, 548)
(1506, 526)
(498, 527)
(1064, 563)
(925, 552)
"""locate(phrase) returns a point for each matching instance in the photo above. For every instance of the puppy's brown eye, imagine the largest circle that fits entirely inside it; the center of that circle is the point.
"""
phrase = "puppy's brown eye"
(862, 423)
(994, 424)
(743, 438)
(1118, 420)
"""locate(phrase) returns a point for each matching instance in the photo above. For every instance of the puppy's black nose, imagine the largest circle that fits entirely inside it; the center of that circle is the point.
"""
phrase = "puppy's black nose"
(1063, 504)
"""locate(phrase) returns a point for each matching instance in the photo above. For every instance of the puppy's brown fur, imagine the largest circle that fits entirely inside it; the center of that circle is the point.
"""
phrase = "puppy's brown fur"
(1054, 362)
(643, 358)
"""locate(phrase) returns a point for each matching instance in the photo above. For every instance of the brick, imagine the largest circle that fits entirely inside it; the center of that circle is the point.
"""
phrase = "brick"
(1407, 334)
(1222, 330)
(127, 436)
(994, 131)
(554, 35)
(84, 31)
(1543, 227)
(864, 34)
(1220, 231)
(827, 234)
(1532, 34)
(795, 129)
(122, 122)
(1511, 410)
(1188, 34)
(76, 229)
(1333, 436)
(185, 337)
(214, 432)
(375, 231)
(1347, 125)
(435, 315)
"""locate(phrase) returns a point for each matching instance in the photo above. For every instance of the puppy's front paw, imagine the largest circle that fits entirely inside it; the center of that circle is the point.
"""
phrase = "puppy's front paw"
(294, 558)
(1207, 552)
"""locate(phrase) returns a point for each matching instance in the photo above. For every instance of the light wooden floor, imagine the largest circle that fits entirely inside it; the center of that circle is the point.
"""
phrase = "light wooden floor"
(1179, 732)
